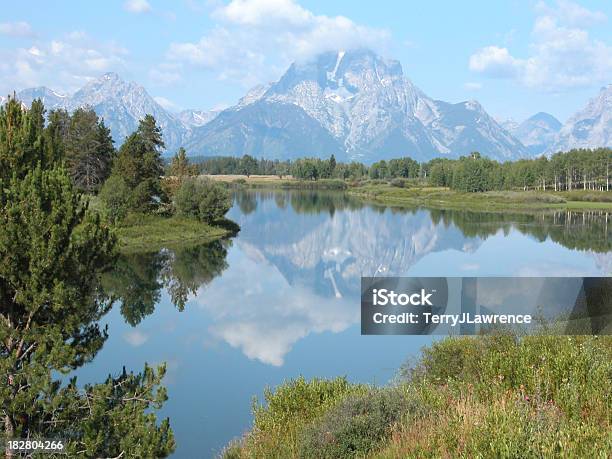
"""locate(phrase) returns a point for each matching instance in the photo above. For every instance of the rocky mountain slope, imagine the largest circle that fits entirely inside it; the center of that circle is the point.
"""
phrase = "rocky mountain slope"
(590, 127)
(368, 107)
(122, 104)
(196, 118)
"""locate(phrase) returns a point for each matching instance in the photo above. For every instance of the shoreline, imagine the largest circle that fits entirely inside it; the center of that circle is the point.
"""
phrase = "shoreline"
(491, 201)
(152, 233)
(437, 197)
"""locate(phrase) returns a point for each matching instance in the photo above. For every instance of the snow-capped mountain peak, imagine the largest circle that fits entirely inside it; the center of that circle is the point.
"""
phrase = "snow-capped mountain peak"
(372, 110)
(362, 107)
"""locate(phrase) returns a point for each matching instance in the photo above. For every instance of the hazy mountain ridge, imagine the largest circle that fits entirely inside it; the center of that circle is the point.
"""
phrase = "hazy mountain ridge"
(537, 132)
(282, 131)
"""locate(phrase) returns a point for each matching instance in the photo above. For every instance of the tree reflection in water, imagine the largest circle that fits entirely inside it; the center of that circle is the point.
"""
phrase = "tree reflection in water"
(138, 279)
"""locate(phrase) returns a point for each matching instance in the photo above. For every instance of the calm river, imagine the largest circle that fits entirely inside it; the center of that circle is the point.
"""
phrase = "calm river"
(281, 299)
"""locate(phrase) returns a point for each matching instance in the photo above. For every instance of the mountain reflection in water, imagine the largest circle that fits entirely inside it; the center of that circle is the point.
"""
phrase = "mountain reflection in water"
(300, 256)
(282, 298)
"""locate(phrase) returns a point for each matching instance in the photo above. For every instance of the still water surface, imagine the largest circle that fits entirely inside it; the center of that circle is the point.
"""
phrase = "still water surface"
(281, 299)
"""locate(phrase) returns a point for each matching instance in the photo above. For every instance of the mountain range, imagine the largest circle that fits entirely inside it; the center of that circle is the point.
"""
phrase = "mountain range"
(354, 104)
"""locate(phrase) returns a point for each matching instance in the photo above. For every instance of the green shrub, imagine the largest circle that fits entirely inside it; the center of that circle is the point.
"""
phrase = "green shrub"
(202, 199)
(400, 182)
(290, 407)
(321, 184)
(115, 197)
(299, 399)
(232, 451)
(356, 425)
(486, 396)
(332, 184)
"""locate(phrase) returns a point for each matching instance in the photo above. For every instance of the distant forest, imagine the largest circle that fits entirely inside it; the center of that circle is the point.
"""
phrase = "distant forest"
(576, 169)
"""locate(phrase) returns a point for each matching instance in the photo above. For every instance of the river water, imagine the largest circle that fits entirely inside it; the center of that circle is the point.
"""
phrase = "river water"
(281, 299)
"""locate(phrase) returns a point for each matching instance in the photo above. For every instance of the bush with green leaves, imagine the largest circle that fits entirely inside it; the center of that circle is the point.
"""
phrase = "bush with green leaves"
(399, 182)
(202, 199)
(115, 196)
(356, 425)
(287, 409)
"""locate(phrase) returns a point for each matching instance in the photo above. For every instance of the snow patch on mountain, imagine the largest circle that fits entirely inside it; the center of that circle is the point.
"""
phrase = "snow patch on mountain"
(196, 118)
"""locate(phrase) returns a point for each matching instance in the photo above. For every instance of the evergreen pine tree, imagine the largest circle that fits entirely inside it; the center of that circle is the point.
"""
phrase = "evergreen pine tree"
(140, 165)
(52, 254)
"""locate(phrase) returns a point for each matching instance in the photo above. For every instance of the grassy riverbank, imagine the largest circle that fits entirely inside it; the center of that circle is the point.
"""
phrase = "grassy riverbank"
(487, 201)
(413, 195)
(489, 396)
(147, 233)
(141, 233)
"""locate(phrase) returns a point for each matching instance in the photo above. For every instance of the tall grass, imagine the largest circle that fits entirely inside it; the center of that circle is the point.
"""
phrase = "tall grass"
(489, 396)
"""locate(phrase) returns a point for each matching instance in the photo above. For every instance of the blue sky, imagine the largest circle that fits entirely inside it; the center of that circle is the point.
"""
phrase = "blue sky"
(515, 57)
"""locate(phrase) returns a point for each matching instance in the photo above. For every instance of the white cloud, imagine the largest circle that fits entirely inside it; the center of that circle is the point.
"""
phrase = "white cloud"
(165, 74)
(495, 62)
(63, 63)
(265, 12)
(571, 13)
(470, 267)
(16, 29)
(137, 6)
(34, 51)
(562, 53)
(254, 40)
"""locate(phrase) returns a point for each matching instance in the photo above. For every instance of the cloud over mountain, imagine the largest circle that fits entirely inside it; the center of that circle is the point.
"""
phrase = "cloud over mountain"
(65, 63)
(254, 40)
